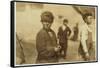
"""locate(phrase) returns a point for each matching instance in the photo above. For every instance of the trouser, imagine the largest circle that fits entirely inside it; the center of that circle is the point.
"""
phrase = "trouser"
(63, 48)
(49, 59)
(89, 47)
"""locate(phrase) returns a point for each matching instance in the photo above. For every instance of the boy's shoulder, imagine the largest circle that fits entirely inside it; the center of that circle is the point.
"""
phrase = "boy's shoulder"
(42, 31)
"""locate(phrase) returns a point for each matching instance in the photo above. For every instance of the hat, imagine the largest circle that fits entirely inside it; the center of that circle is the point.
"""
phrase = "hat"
(65, 20)
(47, 17)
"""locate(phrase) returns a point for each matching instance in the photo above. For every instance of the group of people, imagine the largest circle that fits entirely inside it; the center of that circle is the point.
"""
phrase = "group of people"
(50, 47)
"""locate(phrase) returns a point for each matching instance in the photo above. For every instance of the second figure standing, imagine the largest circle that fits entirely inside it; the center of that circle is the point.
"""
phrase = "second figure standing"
(63, 33)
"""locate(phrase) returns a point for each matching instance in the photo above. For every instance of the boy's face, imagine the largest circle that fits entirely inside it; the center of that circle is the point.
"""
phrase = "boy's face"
(46, 25)
(89, 19)
(65, 23)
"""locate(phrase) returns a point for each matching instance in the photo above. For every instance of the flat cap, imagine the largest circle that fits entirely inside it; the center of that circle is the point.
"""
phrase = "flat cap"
(47, 17)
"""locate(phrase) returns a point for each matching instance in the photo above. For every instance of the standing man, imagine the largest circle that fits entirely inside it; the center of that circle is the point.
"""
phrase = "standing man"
(75, 30)
(63, 33)
(46, 42)
(86, 37)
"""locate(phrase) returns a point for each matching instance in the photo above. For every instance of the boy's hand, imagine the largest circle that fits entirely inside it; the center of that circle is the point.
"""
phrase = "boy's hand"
(57, 48)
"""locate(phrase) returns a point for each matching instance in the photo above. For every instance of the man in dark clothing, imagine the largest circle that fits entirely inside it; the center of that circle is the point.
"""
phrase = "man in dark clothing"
(75, 30)
(46, 42)
(63, 33)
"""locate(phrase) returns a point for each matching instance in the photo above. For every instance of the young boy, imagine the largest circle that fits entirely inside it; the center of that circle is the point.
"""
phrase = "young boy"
(86, 45)
(63, 33)
(46, 42)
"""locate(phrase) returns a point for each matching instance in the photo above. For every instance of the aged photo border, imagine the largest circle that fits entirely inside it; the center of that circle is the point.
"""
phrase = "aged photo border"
(13, 38)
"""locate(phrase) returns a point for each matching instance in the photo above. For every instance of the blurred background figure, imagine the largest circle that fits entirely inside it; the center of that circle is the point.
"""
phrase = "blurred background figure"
(63, 33)
(75, 31)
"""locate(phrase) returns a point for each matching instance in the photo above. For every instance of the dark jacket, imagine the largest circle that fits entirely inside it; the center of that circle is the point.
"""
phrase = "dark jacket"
(45, 47)
(63, 35)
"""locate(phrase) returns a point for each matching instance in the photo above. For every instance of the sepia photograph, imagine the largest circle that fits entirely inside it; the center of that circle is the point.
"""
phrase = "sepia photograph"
(54, 33)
